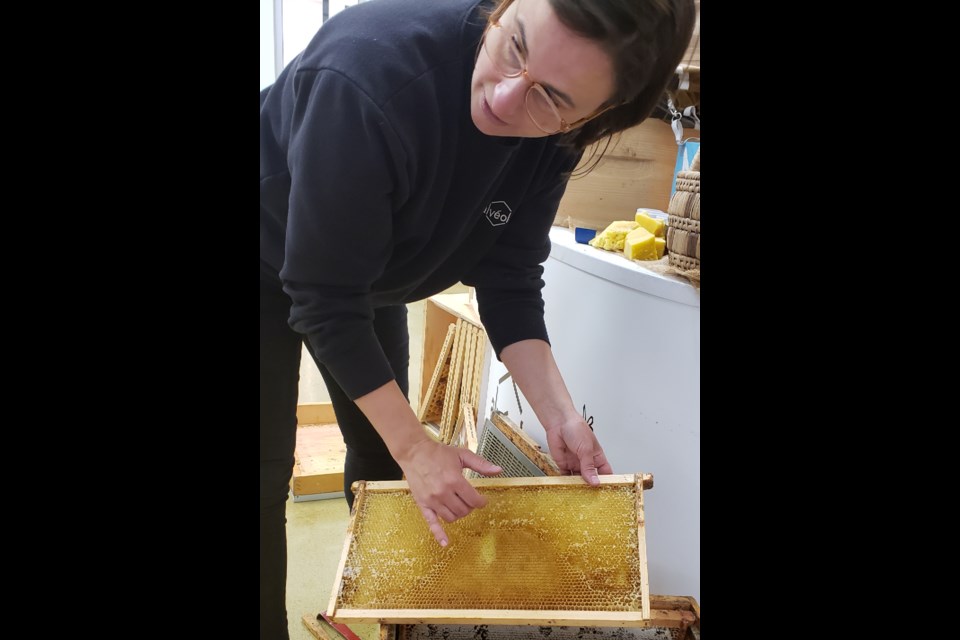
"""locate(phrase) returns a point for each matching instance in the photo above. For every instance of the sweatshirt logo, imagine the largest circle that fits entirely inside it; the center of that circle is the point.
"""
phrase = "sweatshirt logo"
(498, 213)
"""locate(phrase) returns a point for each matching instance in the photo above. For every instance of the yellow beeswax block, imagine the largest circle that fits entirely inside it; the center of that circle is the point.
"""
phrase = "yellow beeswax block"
(640, 244)
(649, 223)
(661, 244)
(613, 236)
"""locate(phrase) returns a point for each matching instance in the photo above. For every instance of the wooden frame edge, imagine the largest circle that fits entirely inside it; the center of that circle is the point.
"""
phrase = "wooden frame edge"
(642, 550)
(658, 617)
(538, 481)
(359, 494)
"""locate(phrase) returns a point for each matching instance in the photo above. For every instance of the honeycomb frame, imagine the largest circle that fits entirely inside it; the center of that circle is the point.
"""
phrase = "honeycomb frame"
(392, 570)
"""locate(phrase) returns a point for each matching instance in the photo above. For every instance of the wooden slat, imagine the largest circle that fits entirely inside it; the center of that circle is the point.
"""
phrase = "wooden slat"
(466, 416)
(388, 632)
(642, 548)
(680, 603)
(470, 436)
(658, 617)
(451, 403)
(478, 367)
(474, 380)
(436, 320)
(469, 351)
(695, 606)
(487, 358)
(359, 494)
(314, 485)
(622, 479)
(315, 413)
(314, 627)
(453, 386)
(431, 406)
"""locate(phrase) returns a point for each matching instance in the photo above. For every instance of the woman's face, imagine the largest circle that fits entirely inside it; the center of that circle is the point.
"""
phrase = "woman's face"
(574, 72)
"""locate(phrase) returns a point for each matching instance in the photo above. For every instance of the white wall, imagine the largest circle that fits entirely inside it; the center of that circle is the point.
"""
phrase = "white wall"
(267, 43)
(628, 346)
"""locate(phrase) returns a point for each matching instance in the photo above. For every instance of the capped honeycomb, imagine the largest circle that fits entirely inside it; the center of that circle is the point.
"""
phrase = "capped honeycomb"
(567, 547)
(514, 632)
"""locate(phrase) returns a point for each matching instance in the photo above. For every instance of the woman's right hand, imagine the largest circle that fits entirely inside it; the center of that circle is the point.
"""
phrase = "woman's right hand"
(434, 472)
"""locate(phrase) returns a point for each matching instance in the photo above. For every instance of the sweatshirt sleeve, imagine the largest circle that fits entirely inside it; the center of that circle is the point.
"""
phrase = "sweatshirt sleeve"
(346, 177)
(509, 279)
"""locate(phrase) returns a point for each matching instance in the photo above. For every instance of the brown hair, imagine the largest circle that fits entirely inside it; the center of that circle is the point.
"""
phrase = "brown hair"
(645, 39)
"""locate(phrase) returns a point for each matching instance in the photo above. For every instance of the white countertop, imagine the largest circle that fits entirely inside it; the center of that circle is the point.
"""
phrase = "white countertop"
(617, 269)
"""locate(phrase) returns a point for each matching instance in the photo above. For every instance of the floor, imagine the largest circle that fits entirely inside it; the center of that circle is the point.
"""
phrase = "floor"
(315, 530)
(314, 545)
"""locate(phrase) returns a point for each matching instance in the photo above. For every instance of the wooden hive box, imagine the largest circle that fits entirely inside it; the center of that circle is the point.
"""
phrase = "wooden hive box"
(320, 454)
(685, 606)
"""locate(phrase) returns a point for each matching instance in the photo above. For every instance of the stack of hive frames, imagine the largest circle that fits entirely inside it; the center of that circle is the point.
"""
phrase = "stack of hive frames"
(456, 379)
(544, 551)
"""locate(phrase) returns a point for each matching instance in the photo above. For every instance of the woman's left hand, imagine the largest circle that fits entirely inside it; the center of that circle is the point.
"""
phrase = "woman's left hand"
(576, 450)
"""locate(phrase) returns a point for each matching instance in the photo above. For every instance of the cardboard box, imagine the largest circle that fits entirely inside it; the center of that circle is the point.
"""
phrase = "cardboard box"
(692, 56)
(637, 171)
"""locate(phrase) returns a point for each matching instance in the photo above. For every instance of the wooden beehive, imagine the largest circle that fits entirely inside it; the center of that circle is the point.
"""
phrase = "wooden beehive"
(685, 607)
(544, 551)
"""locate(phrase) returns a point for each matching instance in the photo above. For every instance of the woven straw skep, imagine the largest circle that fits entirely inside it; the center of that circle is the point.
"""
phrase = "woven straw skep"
(685, 262)
(685, 204)
(688, 181)
(683, 224)
(687, 224)
(683, 242)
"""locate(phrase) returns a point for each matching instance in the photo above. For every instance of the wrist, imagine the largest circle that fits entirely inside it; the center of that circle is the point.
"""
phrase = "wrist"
(562, 418)
(404, 449)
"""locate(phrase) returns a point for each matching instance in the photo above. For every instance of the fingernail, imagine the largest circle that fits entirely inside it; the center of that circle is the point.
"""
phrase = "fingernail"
(443, 543)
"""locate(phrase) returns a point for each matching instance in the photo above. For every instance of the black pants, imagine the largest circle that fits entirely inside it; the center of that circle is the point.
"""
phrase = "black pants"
(367, 456)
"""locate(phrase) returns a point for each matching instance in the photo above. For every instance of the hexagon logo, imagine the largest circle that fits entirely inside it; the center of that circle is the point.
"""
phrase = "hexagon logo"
(498, 213)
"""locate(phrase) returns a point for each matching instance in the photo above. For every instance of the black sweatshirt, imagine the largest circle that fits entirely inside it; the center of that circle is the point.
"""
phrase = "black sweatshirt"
(377, 189)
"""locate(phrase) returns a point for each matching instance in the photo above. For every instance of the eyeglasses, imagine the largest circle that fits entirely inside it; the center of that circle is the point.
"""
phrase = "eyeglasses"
(506, 55)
